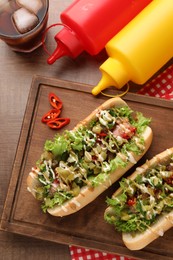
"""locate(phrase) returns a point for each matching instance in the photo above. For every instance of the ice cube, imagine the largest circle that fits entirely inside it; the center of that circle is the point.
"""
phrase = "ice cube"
(32, 5)
(24, 20)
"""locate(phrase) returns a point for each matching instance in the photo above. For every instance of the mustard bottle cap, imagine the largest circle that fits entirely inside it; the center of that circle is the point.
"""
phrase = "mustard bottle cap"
(105, 82)
(114, 73)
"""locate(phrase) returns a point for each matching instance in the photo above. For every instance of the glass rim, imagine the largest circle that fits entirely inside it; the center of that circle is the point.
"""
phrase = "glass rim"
(18, 36)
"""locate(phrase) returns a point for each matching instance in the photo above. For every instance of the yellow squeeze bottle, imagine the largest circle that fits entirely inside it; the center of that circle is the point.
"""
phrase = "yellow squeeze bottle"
(140, 49)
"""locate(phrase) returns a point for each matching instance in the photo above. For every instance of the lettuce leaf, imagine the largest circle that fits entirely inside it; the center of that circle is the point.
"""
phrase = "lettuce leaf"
(58, 146)
(117, 163)
(76, 139)
(58, 199)
(141, 123)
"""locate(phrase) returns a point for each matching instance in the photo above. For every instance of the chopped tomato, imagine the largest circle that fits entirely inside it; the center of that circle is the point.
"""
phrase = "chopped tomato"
(125, 136)
(94, 157)
(124, 130)
(102, 134)
(56, 181)
(131, 201)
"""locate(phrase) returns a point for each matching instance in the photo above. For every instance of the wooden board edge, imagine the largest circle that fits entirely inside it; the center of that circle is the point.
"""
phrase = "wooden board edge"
(37, 80)
(77, 86)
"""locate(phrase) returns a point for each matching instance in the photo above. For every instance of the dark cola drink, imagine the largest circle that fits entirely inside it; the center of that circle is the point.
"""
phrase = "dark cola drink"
(22, 23)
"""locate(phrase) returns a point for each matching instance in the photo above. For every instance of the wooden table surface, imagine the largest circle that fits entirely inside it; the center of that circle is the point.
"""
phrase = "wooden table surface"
(16, 72)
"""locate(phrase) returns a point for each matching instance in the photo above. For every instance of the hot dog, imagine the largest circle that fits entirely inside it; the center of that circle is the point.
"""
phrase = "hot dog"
(142, 208)
(78, 165)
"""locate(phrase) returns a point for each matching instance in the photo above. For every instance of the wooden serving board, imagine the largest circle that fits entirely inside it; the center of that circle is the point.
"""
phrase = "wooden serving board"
(87, 228)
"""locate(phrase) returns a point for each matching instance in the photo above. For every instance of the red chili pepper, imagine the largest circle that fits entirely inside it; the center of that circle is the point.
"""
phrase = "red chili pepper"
(51, 115)
(55, 101)
(58, 123)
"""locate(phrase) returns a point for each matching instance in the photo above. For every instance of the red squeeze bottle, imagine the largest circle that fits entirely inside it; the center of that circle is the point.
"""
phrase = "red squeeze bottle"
(90, 24)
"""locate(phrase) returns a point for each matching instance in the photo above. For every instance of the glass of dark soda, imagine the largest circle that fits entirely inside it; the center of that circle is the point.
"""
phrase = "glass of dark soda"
(22, 23)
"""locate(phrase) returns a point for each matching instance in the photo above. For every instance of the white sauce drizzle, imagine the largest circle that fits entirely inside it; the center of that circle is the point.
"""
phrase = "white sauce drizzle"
(169, 152)
(110, 182)
(106, 167)
(131, 158)
(28, 189)
(76, 203)
(32, 175)
(170, 218)
(45, 183)
(64, 208)
(131, 190)
(159, 232)
(36, 170)
(140, 169)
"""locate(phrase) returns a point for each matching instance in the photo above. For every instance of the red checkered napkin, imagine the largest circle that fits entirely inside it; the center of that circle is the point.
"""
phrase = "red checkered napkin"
(161, 87)
(79, 253)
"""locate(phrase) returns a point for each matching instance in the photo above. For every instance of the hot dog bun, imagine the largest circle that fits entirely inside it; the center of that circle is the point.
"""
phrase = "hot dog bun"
(136, 240)
(88, 194)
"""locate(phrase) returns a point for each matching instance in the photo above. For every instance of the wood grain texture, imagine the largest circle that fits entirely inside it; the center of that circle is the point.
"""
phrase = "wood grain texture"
(22, 213)
(16, 73)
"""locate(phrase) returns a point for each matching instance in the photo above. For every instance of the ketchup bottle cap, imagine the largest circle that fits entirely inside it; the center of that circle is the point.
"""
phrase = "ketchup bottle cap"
(67, 45)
